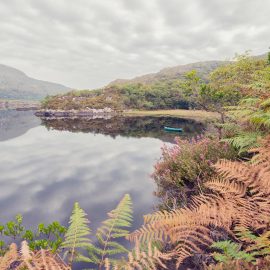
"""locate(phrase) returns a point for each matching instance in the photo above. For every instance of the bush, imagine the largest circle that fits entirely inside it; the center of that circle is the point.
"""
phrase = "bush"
(185, 166)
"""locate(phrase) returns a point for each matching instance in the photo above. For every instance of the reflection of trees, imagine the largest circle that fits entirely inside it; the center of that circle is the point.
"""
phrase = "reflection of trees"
(126, 126)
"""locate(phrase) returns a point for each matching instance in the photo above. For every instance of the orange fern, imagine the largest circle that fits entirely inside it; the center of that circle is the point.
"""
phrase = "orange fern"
(140, 259)
(26, 259)
(239, 196)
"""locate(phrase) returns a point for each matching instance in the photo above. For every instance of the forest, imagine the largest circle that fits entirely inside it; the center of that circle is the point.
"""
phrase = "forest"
(214, 188)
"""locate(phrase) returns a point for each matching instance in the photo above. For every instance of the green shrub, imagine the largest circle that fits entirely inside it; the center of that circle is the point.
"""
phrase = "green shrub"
(43, 237)
(185, 166)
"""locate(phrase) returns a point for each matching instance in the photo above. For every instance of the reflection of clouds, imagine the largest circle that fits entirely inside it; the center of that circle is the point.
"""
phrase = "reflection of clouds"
(44, 172)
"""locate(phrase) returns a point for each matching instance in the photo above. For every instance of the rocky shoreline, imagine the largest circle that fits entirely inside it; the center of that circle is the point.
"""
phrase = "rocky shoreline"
(93, 113)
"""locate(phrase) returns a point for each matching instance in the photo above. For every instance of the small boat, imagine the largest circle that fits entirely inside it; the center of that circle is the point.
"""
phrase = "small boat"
(173, 129)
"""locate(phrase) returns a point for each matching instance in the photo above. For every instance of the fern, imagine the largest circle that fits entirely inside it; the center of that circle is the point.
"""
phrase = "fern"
(244, 141)
(257, 245)
(260, 119)
(10, 256)
(239, 197)
(248, 102)
(78, 229)
(254, 255)
(230, 251)
(255, 112)
(112, 229)
(139, 259)
(265, 105)
(261, 264)
(251, 122)
(230, 129)
(26, 259)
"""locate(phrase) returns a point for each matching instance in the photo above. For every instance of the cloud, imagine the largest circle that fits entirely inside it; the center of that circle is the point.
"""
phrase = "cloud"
(88, 43)
(43, 184)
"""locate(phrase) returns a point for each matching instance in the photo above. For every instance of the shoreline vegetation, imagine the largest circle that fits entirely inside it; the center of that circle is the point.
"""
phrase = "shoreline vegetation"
(214, 189)
(199, 115)
(177, 113)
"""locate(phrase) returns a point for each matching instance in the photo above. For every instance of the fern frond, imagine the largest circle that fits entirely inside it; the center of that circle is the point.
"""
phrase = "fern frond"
(26, 253)
(255, 177)
(230, 129)
(26, 259)
(44, 259)
(257, 245)
(225, 186)
(231, 251)
(263, 158)
(260, 119)
(113, 228)
(265, 105)
(10, 257)
(254, 254)
(141, 259)
(78, 230)
(252, 101)
(244, 141)
(240, 196)
(184, 229)
(260, 264)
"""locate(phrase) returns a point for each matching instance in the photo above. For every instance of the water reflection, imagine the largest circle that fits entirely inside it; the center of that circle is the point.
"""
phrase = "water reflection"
(46, 168)
(139, 127)
(44, 172)
(14, 123)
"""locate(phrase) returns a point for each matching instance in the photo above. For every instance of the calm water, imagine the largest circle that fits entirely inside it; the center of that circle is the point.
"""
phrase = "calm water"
(47, 165)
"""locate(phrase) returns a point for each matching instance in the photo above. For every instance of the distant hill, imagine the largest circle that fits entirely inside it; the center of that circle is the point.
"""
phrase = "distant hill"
(177, 72)
(155, 91)
(14, 84)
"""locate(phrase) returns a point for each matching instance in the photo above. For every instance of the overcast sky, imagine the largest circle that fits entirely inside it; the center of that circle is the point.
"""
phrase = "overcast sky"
(88, 43)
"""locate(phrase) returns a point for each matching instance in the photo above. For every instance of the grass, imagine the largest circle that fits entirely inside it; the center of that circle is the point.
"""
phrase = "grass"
(192, 114)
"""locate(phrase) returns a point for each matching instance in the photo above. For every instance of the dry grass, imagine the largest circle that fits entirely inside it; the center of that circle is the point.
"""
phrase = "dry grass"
(192, 114)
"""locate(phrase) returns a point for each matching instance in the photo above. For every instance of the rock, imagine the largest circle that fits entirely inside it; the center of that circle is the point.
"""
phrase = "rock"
(88, 112)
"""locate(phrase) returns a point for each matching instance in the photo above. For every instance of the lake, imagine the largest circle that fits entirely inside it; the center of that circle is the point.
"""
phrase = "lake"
(48, 164)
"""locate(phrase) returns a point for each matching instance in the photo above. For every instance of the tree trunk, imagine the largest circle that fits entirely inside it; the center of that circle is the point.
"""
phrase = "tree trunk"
(222, 117)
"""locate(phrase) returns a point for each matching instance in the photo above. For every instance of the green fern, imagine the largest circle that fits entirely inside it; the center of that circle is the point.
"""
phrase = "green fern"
(251, 122)
(258, 245)
(230, 251)
(254, 247)
(230, 129)
(244, 141)
(265, 105)
(78, 229)
(254, 111)
(113, 228)
(261, 119)
(251, 101)
(242, 113)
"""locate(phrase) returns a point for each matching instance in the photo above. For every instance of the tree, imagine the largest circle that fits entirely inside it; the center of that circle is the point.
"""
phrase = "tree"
(242, 75)
(191, 88)
(203, 96)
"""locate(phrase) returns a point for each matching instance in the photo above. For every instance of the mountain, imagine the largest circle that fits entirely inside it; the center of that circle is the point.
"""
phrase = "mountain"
(14, 84)
(177, 72)
(203, 69)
